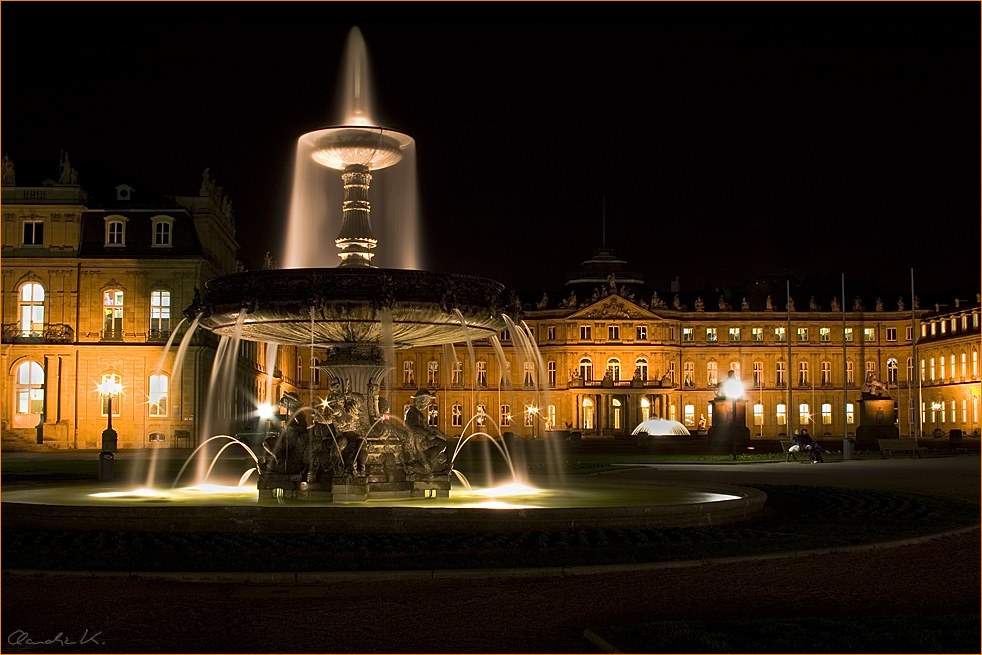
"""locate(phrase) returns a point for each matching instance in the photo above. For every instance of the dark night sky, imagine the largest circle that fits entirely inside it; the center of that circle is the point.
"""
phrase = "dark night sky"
(723, 150)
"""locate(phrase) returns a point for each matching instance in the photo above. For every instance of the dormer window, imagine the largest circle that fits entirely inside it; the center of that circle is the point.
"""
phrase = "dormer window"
(116, 231)
(163, 227)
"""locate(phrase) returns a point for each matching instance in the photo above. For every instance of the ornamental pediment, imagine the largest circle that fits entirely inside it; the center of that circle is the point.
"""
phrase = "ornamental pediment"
(614, 307)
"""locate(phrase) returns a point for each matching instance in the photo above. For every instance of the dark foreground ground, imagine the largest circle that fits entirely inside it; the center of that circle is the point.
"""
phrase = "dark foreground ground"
(934, 580)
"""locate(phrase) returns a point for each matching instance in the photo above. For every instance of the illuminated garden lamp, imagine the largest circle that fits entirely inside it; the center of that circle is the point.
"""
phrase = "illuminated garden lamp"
(109, 388)
(729, 415)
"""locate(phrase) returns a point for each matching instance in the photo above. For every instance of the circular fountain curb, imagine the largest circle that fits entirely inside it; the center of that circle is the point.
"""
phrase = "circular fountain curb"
(246, 519)
(321, 577)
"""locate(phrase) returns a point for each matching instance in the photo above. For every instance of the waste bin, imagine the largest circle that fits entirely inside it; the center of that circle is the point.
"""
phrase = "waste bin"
(106, 460)
(848, 448)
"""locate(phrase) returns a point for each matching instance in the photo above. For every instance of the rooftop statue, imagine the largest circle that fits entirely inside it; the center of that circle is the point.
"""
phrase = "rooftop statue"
(744, 305)
(9, 179)
(768, 304)
(67, 174)
(857, 304)
(835, 305)
(900, 304)
(879, 305)
(700, 307)
(544, 302)
(790, 305)
(813, 306)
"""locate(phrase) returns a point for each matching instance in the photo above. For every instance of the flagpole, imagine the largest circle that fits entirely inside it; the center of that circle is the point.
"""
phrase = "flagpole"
(845, 367)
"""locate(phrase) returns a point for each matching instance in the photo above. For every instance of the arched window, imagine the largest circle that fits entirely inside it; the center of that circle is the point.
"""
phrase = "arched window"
(111, 379)
(758, 414)
(457, 374)
(29, 394)
(456, 416)
(116, 230)
(586, 369)
(826, 374)
(712, 374)
(689, 414)
(31, 301)
(803, 380)
(641, 366)
(826, 413)
(689, 375)
(408, 373)
(112, 310)
(551, 369)
(870, 369)
(910, 369)
(550, 417)
(587, 414)
(804, 414)
(158, 395)
(964, 365)
(529, 376)
(482, 374)
(892, 371)
(617, 411)
(735, 367)
(614, 368)
(645, 409)
(162, 228)
(315, 372)
(159, 314)
(758, 374)
(433, 415)
(432, 374)
(505, 416)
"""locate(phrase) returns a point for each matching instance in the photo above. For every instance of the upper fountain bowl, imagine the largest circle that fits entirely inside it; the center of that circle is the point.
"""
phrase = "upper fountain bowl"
(336, 306)
(350, 145)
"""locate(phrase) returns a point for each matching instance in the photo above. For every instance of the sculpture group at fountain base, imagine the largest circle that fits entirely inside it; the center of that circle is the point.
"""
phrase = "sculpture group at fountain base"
(352, 489)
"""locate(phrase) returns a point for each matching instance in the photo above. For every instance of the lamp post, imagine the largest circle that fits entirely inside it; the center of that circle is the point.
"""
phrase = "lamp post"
(108, 388)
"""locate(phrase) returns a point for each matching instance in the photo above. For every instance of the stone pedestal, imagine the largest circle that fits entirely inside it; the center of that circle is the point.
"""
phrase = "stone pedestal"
(877, 420)
(729, 425)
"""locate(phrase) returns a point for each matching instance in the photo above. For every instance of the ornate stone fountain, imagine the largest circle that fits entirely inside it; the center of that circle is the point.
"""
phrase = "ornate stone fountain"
(352, 451)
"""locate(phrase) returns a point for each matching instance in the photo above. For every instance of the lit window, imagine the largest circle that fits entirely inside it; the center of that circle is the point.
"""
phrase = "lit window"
(159, 314)
(457, 373)
(529, 376)
(671, 372)
(689, 414)
(112, 311)
(934, 328)
(709, 414)
(111, 379)
(824, 334)
(482, 416)
(587, 414)
(850, 415)
(943, 325)
(964, 366)
(826, 374)
(158, 395)
(505, 416)
(29, 391)
(964, 411)
(932, 369)
(689, 374)
(910, 370)
(642, 333)
(31, 306)
(850, 374)
(870, 369)
(712, 374)
(585, 333)
(892, 371)
(551, 370)
(641, 366)
(645, 409)
(954, 324)
(613, 333)
(803, 374)
(33, 233)
(586, 369)
(735, 367)
(734, 334)
(951, 361)
(975, 364)
(804, 413)
(923, 329)
(688, 334)
(550, 417)
(847, 334)
(671, 412)
(758, 414)
(529, 415)
(614, 368)
(779, 334)
(781, 413)
(408, 373)
(617, 411)
(802, 334)
(456, 416)
(432, 374)
(758, 374)
(757, 334)
(710, 334)
(781, 371)
(923, 374)
(433, 415)
(482, 374)
(942, 367)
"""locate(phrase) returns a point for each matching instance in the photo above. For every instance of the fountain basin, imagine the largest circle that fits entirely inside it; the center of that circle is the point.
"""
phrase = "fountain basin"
(581, 506)
(348, 306)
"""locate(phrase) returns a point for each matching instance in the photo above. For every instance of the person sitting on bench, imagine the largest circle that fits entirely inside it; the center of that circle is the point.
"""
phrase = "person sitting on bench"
(802, 442)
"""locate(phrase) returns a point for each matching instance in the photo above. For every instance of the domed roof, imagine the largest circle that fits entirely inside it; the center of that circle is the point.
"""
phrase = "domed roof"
(659, 427)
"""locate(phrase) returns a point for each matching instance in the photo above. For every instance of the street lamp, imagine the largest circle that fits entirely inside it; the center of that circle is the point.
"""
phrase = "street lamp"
(109, 388)
(732, 390)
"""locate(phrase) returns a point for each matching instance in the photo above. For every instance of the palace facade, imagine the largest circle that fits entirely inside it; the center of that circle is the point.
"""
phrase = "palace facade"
(93, 289)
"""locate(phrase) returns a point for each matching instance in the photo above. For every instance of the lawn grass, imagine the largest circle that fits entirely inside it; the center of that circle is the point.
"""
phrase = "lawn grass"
(945, 633)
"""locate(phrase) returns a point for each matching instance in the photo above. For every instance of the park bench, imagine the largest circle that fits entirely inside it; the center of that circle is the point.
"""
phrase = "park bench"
(891, 445)
(790, 455)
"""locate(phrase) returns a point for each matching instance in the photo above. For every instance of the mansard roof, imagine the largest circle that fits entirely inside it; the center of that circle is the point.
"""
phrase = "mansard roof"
(139, 235)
